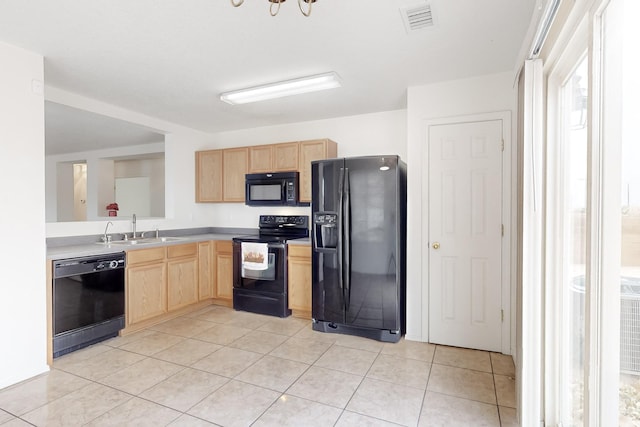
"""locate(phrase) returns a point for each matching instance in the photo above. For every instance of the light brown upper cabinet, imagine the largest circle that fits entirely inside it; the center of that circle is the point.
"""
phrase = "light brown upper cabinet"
(286, 157)
(318, 149)
(209, 176)
(235, 161)
(274, 158)
(260, 158)
(220, 174)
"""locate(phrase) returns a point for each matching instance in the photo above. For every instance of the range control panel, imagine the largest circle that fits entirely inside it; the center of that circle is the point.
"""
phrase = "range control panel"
(293, 221)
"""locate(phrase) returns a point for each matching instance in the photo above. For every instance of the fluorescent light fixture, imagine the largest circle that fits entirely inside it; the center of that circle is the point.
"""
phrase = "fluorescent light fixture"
(281, 89)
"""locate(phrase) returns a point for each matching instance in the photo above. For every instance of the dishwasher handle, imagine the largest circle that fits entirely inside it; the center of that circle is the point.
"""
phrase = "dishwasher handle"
(85, 265)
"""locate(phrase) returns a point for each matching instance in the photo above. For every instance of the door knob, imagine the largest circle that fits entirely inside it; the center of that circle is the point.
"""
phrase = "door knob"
(436, 245)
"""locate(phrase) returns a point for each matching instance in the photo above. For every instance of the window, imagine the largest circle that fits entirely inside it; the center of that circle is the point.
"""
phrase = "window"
(620, 221)
(567, 238)
(592, 221)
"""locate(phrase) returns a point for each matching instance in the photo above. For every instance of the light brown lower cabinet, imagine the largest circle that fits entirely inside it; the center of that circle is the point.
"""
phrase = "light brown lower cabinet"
(164, 282)
(182, 275)
(224, 272)
(146, 290)
(299, 269)
(205, 270)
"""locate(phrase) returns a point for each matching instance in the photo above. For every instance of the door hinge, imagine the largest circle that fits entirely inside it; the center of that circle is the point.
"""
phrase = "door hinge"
(502, 229)
(502, 145)
(502, 315)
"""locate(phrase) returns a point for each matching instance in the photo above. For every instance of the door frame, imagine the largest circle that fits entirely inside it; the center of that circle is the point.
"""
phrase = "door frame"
(508, 296)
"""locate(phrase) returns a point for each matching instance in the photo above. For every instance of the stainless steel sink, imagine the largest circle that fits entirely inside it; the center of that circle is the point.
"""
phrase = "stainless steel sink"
(167, 239)
(144, 241)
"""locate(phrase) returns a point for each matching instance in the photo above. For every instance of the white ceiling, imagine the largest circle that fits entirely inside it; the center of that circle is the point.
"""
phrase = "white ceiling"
(171, 59)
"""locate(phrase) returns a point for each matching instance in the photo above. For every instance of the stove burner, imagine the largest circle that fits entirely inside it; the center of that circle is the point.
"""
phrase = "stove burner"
(279, 228)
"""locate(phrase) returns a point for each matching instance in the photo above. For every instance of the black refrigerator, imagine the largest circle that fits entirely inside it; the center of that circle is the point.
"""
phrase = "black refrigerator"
(359, 214)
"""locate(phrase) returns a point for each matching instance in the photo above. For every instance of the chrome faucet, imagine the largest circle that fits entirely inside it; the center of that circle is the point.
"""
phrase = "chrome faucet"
(105, 238)
(134, 226)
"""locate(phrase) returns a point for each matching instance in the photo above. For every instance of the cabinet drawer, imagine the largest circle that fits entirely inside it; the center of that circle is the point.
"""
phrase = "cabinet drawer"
(303, 251)
(190, 249)
(145, 255)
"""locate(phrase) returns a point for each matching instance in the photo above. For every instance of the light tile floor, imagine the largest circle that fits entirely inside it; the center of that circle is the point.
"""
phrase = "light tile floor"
(227, 368)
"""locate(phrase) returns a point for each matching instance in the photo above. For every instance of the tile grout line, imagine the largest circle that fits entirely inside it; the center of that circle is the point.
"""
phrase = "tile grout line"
(426, 387)
(495, 390)
(332, 345)
(281, 393)
(234, 378)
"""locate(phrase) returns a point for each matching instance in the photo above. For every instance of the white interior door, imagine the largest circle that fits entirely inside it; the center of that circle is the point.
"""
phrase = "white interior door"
(465, 232)
(80, 192)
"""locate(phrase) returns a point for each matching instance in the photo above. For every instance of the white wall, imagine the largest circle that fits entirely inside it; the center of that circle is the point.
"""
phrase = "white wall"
(104, 183)
(153, 169)
(59, 189)
(63, 205)
(22, 295)
(477, 95)
(369, 134)
(176, 136)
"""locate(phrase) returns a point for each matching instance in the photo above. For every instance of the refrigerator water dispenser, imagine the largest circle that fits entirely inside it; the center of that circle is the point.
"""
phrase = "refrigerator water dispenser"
(326, 229)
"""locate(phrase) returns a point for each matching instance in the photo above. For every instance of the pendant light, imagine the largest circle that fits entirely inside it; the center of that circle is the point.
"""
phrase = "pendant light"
(274, 8)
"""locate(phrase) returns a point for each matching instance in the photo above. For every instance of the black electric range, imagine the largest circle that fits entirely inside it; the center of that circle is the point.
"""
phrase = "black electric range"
(278, 228)
(265, 290)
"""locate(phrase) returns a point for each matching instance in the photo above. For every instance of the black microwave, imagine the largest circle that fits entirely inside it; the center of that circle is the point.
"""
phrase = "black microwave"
(271, 189)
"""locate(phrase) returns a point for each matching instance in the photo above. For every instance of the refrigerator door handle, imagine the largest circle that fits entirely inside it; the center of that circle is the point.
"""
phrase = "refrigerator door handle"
(339, 247)
(346, 215)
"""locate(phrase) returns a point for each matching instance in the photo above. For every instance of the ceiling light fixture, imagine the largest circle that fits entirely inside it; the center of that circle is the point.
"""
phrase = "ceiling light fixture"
(281, 89)
(275, 6)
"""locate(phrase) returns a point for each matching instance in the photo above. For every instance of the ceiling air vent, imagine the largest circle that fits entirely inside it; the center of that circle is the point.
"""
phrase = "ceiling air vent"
(417, 17)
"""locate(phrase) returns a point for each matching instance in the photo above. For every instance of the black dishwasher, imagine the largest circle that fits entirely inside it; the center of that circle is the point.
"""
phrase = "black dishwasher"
(88, 301)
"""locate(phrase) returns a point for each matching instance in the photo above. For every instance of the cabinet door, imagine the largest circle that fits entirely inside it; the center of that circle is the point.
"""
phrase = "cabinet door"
(182, 283)
(235, 168)
(299, 264)
(286, 157)
(310, 151)
(260, 159)
(224, 270)
(146, 292)
(205, 270)
(209, 176)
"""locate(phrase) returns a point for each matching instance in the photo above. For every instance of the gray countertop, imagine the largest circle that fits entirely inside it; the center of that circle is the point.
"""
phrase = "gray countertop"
(98, 248)
(89, 245)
